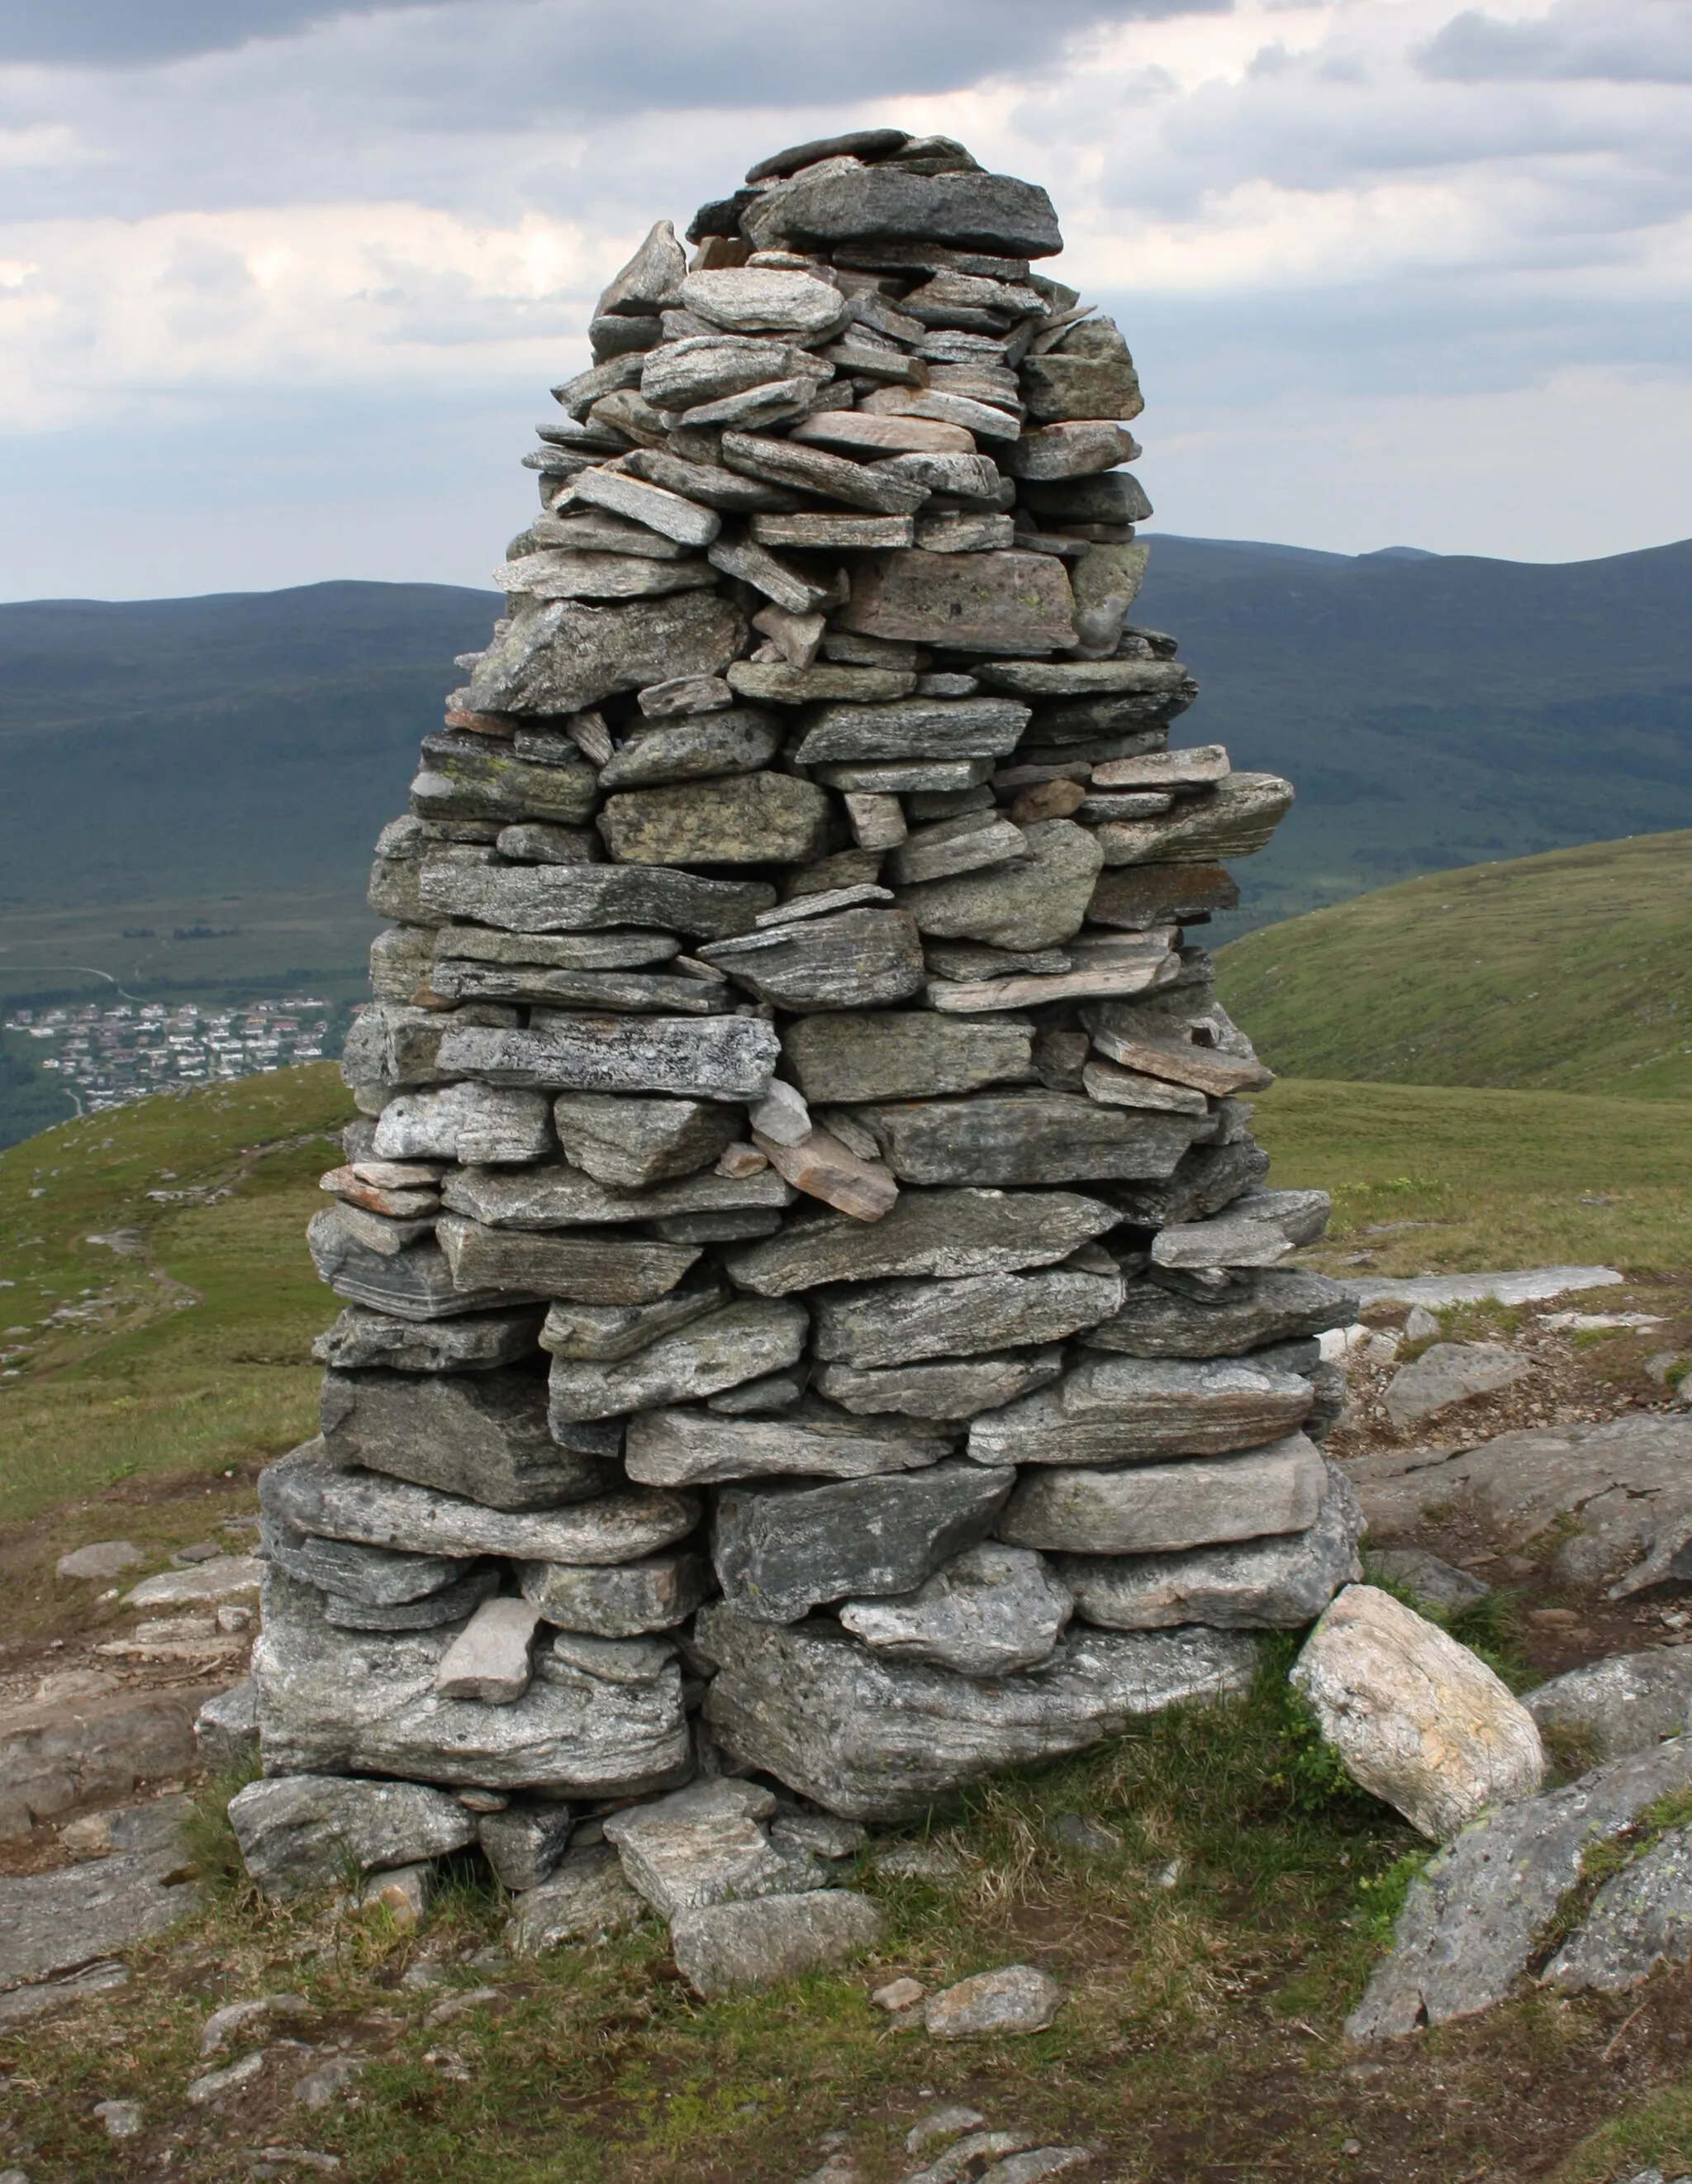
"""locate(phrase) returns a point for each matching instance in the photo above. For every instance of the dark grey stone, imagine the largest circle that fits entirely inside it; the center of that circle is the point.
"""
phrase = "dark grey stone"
(525, 1842)
(695, 749)
(415, 1285)
(621, 1602)
(953, 1388)
(742, 1342)
(892, 1322)
(1271, 1306)
(971, 211)
(372, 1577)
(303, 1831)
(559, 1197)
(809, 1440)
(484, 1435)
(591, 898)
(603, 1332)
(453, 1603)
(911, 728)
(905, 1054)
(857, 959)
(989, 1612)
(475, 1344)
(561, 657)
(1031, 1137)
(944, 1233)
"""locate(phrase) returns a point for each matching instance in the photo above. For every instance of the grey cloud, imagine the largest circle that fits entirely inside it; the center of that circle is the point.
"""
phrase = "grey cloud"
(121, 33)
(1613, 42)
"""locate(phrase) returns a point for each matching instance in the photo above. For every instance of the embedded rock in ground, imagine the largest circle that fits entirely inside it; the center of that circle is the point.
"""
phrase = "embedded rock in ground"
(483, 1435)
(1418, 1720)
(1640, 1917)
(55, 1926)
(880, 1740)
(58, 1753)
(1623, 1490)
(1162, 1508)
(303, 1831)
(216, 1582)
(336, 1703)
(1448, 1373)
(1625, 1703)
(1123, 1410)
(105, 1559)
(585, 1899)
(706, 1845)
(1281, 1583)
(1474, 1917)
(989, 1612)
(1434, 1583)
(781, 1550)
(723, 1948)
(1020, 1998)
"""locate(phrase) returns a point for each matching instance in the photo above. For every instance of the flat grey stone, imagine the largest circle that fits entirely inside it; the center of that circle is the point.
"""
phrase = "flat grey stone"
(1039, 903)
(564, 656)
(1434, 1583)
(415, 1284)
(334, 1702)
(585, 1899)
(640, 993)
(483, 1435)
(375, 1511)
(712, 1058)
(525, 1842)
(893, 1323)
(944, 1233)
(696, 748)
(557, 1196)
(465, 1121)
(1639, 1919)
(954, 1387)
(880, 1740)
(1235, 819)
(972, 211)
(1280, 1583)
(591, 1265)
(488, 1659)
(712, 367)
(637, 1660)
(553, 572)
(1472, 1917)
(988, 1612)
(905, 1054)
(1627, 1703)
(481, 778)
(624, 1601)
(1271, 1306)
(720, 1350)
(603, 1332)
(684, 1447)
(227, 1728)
(451, 1604)
(301, 1831)
(789, 463)
(1448, 1373)
(630, 1143)
(857, 959)
(756, 299)
(105, 1558)
(1161, 1508)
(1626, 1484)
(704, 1845)
(1017, 1999)
(373, 1576)
(781, 1550)
(724, 1948)
(911, 728)
(55, 1925)
(1529, 1285)
(1119, 1410)
(361, 1338)
(1025, 1137)
(592, 898)
(745, 819)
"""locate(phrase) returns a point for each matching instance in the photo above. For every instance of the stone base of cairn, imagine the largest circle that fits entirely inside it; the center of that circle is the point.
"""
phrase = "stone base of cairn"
(813, 1323)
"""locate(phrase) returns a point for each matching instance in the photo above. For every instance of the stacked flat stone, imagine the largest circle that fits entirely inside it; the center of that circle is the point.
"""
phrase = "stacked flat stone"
(812, 1304)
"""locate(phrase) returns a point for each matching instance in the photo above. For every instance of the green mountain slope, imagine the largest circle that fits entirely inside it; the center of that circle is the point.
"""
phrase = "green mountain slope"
(1568, 972)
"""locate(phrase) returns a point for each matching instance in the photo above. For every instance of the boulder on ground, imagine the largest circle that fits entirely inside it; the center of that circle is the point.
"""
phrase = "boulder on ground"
(300, 1831)
(1448, 1373)
(1640, 1917)
(1418, 1720)
(1626, 1704)
(1019, 1999)
(1434, 1583)
(723, 1947)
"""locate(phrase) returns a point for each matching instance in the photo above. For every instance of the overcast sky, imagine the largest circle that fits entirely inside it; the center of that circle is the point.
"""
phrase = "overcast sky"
(283, 283)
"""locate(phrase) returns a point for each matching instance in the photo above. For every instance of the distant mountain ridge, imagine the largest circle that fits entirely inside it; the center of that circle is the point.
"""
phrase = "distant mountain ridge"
(191, 786)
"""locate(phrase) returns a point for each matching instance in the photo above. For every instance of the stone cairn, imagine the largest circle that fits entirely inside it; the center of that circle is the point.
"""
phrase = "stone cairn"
(811, 1314)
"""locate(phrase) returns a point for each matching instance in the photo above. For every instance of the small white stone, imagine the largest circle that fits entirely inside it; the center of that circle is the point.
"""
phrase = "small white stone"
(899, 1994)
(216, 2083)
(122, 2119)
(1018, 1998)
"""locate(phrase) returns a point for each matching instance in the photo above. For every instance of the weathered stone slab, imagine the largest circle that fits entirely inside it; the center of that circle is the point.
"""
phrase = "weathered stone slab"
(1237, 818)
(642, 992)
(725, 1948)
(476, 1344)
(1473, 1917)
(686, 1448)
(374, 1577)
(721, 1349)
(995, 603)
(1417, 1719)
(1137, 896)
(704, 1845)
(717, 1058)
(989, 1612)
(971, 211)
(489, 1658)
(1123, 1410)
(629, 1143)
(470, 776)
(1640, 1917)
(1270, 1305)
(415, 1284)
(905, 1054)
(1625, 1703)
(812, 470)
(1031, 1137)
(59, 1752)
(451, 1604)
(1069, 450)
(891, 1322)
(1161, 1508)
(463, 1122)
(1448, 1373)
(944, 1233)
(1039, 903)
(954, 1387)
(912, 728)
(303, 1831)
(709, 367)
(747, 819)
(881, 1740)
(338, 1702)
(556, 1196)
(552, 572)
(695, 749)
(374, 1511)
(524, 1843)
(590, 898)
(857, 959)
(1090, 374)
(782, 1550)
(482, 1434)
(604, 1332)
(915, 777)
(623, 1602)
(58, 1925)
(954, 846)
(1281, 1583)
(757, 299)
(562, 657)
(586, 1265)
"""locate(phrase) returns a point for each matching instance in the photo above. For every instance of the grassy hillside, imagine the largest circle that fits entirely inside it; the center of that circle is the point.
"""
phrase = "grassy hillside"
(1570, 972)
(192, 785)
